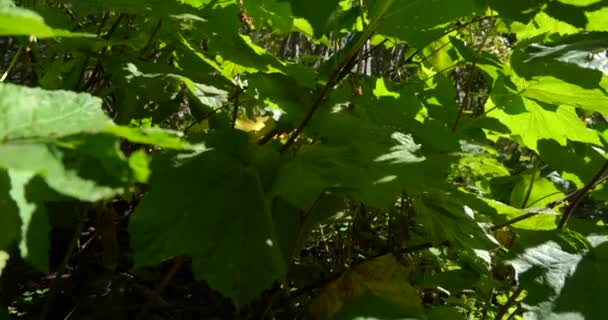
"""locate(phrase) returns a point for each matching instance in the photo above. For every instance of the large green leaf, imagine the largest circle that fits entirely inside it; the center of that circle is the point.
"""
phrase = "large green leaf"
(62, 140)
(556, 17)
(218, 214)
(530, 122)
(562, 283)
(67, 139)
(276, 13)
(576, 162)
(419, 22)
(34, 237)
(317, 13)
(35, 113)
(151, 7)
(585, 50)
(440, 212)
(9, 219)
(536, 193)
(556, 91)
(15, 21)
(90, 168)
(518, 10)
(543, 219)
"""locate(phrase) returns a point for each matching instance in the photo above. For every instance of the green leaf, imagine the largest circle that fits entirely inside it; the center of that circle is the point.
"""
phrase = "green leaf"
(34, 113)
(9, 219)
(452, 280)
(564, 284)
(34, 237)
(154, 136)
(67, 139)
(317, 13)
(556, 91)
(446, 218)
(3, 260)
(543, 219)
(518, 10)
(276, 13)
(558, 17)
(542, 192)
(219, 216)
(585, 50)
(576, 162)
(90, 169)
(571, 14)
(530, 122)
(150, 7)
(420, 22)
(15, 21)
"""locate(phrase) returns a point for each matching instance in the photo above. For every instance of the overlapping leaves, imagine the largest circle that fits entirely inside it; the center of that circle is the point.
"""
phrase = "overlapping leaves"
(64, 139)
(223, 203)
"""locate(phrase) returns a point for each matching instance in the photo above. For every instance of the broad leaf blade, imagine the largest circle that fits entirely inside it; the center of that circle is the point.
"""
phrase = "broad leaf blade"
(219, 216)
(33, 113)
(15, 21)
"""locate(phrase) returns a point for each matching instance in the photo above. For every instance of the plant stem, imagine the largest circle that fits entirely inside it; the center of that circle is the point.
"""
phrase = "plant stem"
(342, 69)
(515, 220)
(512, 299)
(581, 193)
(529, 191)
(142, 53)
(549, 206)
(12, 64)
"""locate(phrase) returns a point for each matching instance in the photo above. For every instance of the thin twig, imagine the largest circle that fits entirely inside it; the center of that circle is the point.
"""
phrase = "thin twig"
(343, 68)
(142, 53)
(12, 64)
(267, 137)
(529, 191)
(98, 65)
(550, 205)
(515, 220)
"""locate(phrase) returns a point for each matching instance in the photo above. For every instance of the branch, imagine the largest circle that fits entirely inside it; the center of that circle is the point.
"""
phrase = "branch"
(553, 204)
(338, 74)
(578, 196)
(515, 220)
(12, 63)
(511, 302)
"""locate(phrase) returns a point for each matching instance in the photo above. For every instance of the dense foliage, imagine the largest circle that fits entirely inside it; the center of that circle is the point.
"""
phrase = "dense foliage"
(282, 159)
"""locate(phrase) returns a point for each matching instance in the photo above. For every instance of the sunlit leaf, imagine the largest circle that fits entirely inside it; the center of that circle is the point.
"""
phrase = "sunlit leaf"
(15, 21)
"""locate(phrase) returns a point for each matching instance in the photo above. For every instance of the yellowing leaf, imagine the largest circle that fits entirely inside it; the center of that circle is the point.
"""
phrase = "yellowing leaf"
(384, 277)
